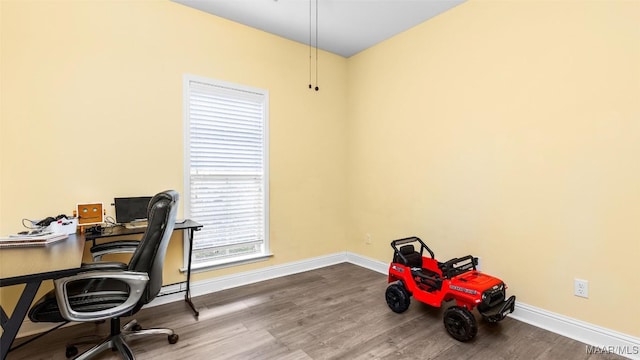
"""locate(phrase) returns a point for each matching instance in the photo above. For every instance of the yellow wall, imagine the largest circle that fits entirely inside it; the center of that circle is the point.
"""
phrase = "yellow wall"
(509, 130)
(503, 129)
(92, 108)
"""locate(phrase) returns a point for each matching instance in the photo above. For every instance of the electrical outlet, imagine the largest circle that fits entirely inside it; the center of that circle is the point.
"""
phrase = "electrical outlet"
(478, 263)
(581, 288)
(367, 239)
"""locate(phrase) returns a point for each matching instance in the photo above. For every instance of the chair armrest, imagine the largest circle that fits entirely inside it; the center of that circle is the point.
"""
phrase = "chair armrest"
(114, 247)
(137, 281)
(104, 266)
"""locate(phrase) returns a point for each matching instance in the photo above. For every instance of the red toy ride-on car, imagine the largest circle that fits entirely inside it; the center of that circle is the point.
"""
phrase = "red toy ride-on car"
(432, 282)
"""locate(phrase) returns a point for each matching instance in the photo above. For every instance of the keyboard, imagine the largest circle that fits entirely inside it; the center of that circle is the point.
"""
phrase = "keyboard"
(136, 225)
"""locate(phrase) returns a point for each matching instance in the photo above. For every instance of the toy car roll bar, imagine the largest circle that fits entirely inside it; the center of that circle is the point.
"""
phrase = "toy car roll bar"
(451, 268)
(396, 243)
(458, 266)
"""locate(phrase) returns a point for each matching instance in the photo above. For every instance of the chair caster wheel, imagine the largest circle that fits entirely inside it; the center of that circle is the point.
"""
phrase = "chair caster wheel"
(71, 351)
(136, 327)
(173, 338)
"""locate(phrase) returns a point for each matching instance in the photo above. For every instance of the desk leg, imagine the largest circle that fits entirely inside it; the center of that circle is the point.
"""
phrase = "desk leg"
(187, 295)
(3, 317)
(12, 324)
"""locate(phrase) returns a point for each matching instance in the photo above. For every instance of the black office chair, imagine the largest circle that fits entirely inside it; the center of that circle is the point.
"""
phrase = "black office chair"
(110, 290)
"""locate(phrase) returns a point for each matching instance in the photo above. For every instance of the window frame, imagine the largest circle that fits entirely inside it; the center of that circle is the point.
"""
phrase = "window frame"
(232, 260)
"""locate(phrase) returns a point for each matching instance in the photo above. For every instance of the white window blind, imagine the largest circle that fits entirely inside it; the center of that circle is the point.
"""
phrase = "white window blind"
(226, 166)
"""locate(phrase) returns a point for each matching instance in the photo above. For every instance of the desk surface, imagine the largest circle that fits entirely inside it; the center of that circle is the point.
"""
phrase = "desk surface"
(121, 230)
(60, 255)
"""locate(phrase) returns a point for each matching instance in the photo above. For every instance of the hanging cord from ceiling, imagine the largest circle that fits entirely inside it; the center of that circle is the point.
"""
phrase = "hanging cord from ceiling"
(310, 16)
(316, 45)
(317, 88)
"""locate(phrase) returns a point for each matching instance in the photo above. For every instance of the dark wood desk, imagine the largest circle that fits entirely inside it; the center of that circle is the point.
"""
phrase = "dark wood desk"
(31, 266)
(187, 225)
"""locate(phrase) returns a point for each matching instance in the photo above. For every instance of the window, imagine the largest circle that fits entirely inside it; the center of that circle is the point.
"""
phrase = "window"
(226, 171)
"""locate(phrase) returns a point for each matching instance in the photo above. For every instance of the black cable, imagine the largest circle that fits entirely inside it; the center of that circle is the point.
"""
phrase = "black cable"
(310, 44)
(33, 225)
(317, 88)
(38, 336)
(109, 221)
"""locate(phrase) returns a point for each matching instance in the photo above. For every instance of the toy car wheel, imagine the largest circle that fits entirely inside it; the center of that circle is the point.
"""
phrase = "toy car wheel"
(460, 323)
(398, 298)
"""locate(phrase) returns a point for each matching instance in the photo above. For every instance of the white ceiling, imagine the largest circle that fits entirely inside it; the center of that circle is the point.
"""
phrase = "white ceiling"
(345, 27)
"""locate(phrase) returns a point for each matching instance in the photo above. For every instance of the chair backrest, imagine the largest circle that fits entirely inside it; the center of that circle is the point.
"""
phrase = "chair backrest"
(150, 253)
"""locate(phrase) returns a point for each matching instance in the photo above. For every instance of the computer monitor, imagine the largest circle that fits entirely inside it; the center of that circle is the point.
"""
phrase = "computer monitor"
(131, 209)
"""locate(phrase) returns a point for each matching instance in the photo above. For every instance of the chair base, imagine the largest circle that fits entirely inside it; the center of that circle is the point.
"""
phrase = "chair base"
(117, 341)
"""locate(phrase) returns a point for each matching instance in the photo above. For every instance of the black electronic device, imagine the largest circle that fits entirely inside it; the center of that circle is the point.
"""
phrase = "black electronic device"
(45, 222)
(48, 220)
(131, 209)
(95, 230)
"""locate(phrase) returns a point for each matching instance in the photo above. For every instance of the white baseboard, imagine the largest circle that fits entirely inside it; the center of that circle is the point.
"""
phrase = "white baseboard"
(209, 286)
(605, 340)
(368, 263)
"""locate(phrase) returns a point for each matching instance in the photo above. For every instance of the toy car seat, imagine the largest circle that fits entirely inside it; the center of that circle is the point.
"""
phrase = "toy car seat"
(413, 258)
(431, 280)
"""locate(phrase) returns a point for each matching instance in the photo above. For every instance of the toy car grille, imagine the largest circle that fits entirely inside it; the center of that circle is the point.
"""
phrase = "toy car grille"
(493, 296)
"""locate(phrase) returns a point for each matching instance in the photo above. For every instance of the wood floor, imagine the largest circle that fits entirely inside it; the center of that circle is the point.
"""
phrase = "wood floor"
(337, 312)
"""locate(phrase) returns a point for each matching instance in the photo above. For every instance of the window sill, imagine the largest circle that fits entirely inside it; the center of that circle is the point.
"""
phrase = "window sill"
(220, 264)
